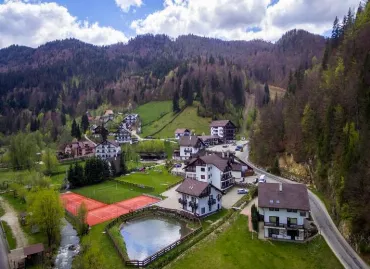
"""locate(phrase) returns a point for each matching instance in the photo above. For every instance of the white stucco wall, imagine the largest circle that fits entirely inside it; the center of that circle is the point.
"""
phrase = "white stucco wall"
(107, 151)
(202, 203)
(283, 215)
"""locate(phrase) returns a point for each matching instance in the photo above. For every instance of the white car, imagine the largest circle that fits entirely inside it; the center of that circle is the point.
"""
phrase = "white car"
(262, 179)
(242, 191)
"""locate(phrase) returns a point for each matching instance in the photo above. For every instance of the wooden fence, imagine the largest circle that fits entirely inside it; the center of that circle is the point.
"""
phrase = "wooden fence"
(151, 210)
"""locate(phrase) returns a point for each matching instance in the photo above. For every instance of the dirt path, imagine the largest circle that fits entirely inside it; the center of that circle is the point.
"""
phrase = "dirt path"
(247, 211)
(11, 218)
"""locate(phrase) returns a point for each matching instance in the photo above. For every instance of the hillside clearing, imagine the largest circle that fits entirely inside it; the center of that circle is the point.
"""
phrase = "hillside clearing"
(153, 110)
(187, 119)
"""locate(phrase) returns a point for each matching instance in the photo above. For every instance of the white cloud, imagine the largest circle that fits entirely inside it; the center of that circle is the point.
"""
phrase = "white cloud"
(126, 4)
(230, 19)
(34, 24)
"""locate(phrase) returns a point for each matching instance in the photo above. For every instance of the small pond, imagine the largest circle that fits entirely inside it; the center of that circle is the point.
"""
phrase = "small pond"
(147, 235)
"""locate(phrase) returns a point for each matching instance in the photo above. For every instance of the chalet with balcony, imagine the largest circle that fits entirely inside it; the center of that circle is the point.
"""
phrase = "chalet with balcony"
(211, 169)
(79, 149)
(284, 209)
(107, 149)
(132, 119)
(199, 198)
(182, 132)
(99, 130)
(190, 145)
(122, 135)
(224, 129)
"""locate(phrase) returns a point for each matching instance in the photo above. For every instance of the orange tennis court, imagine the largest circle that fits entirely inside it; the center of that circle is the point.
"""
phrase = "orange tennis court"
(137, 202)
(72, 201)
(105, 213)
(99, 212)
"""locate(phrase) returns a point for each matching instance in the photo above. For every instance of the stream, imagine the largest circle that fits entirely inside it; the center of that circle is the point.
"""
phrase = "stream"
(66, 252)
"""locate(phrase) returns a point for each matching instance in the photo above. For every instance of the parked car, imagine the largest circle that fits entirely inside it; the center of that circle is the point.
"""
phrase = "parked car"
(262, 179)
(178, 165)
(225, 146)
(242, 191)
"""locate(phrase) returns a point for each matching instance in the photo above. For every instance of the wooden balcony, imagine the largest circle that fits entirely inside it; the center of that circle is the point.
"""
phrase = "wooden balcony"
(282, 225)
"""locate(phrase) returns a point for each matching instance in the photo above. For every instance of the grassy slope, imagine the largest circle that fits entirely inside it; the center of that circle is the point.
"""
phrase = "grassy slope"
(155, 126)
(234, 248)
(187, 119)
(9, 235)
(158, 180)
(153, 110)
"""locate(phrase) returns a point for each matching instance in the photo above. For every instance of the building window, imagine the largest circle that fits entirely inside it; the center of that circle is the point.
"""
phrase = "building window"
(271, 209)
(302, 214)
(272, 219)
(292, 210)
(209, 168)
(202, 169)
(203, 210)
(293, 221)
(203, 177)
(276, 209)
(209, 176)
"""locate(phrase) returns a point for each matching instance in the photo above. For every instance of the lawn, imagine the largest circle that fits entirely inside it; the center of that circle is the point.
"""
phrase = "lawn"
(110, 192)
(187, 119)
(153, 110)
(152, 178)
(235, 248)
(97, 234)
(9, 235)
(2, 212)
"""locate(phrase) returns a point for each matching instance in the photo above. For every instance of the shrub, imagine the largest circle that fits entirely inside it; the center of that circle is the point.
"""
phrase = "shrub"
(254, 214)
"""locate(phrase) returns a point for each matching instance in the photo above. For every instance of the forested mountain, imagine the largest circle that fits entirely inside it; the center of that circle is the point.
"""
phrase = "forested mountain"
(69, 76)
(324, 123)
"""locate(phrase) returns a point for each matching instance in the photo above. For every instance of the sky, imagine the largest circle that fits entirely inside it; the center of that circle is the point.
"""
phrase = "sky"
(103, 22)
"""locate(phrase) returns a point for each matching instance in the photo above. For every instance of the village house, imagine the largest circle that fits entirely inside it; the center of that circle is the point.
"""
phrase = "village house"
(224, 129)
(284, 209)
(210, 140)
(189, 145)
(199, 198)
(122, 136)
(107, 149)
(79, 149)
(99, 130)
(108, 114)
(212, 169)
(182, 132)
(132, 119)
(240, 169)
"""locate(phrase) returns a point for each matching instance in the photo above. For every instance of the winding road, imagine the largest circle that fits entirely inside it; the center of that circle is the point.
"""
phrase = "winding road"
(345, 253)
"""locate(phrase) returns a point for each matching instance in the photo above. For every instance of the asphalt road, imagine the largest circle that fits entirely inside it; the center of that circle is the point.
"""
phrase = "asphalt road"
(3, 253)
(345, 253)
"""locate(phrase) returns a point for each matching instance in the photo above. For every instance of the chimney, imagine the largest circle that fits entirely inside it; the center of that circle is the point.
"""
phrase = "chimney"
(280, 187)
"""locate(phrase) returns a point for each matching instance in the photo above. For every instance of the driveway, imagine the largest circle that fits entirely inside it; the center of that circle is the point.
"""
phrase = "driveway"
(231, 197)
(247, 212)
(171, 201)
(3, 252)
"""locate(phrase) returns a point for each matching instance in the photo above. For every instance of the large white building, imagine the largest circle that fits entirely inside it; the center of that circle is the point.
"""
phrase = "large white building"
(211, 169)
(284, 209)
(190, 145)
(122, 135)
(107, 149)
(199, 198)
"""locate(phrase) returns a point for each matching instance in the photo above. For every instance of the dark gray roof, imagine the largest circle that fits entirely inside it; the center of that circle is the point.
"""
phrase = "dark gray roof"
(292, 196)
(194, 187)
(220, 123)
(189, 141)
(214, 159)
